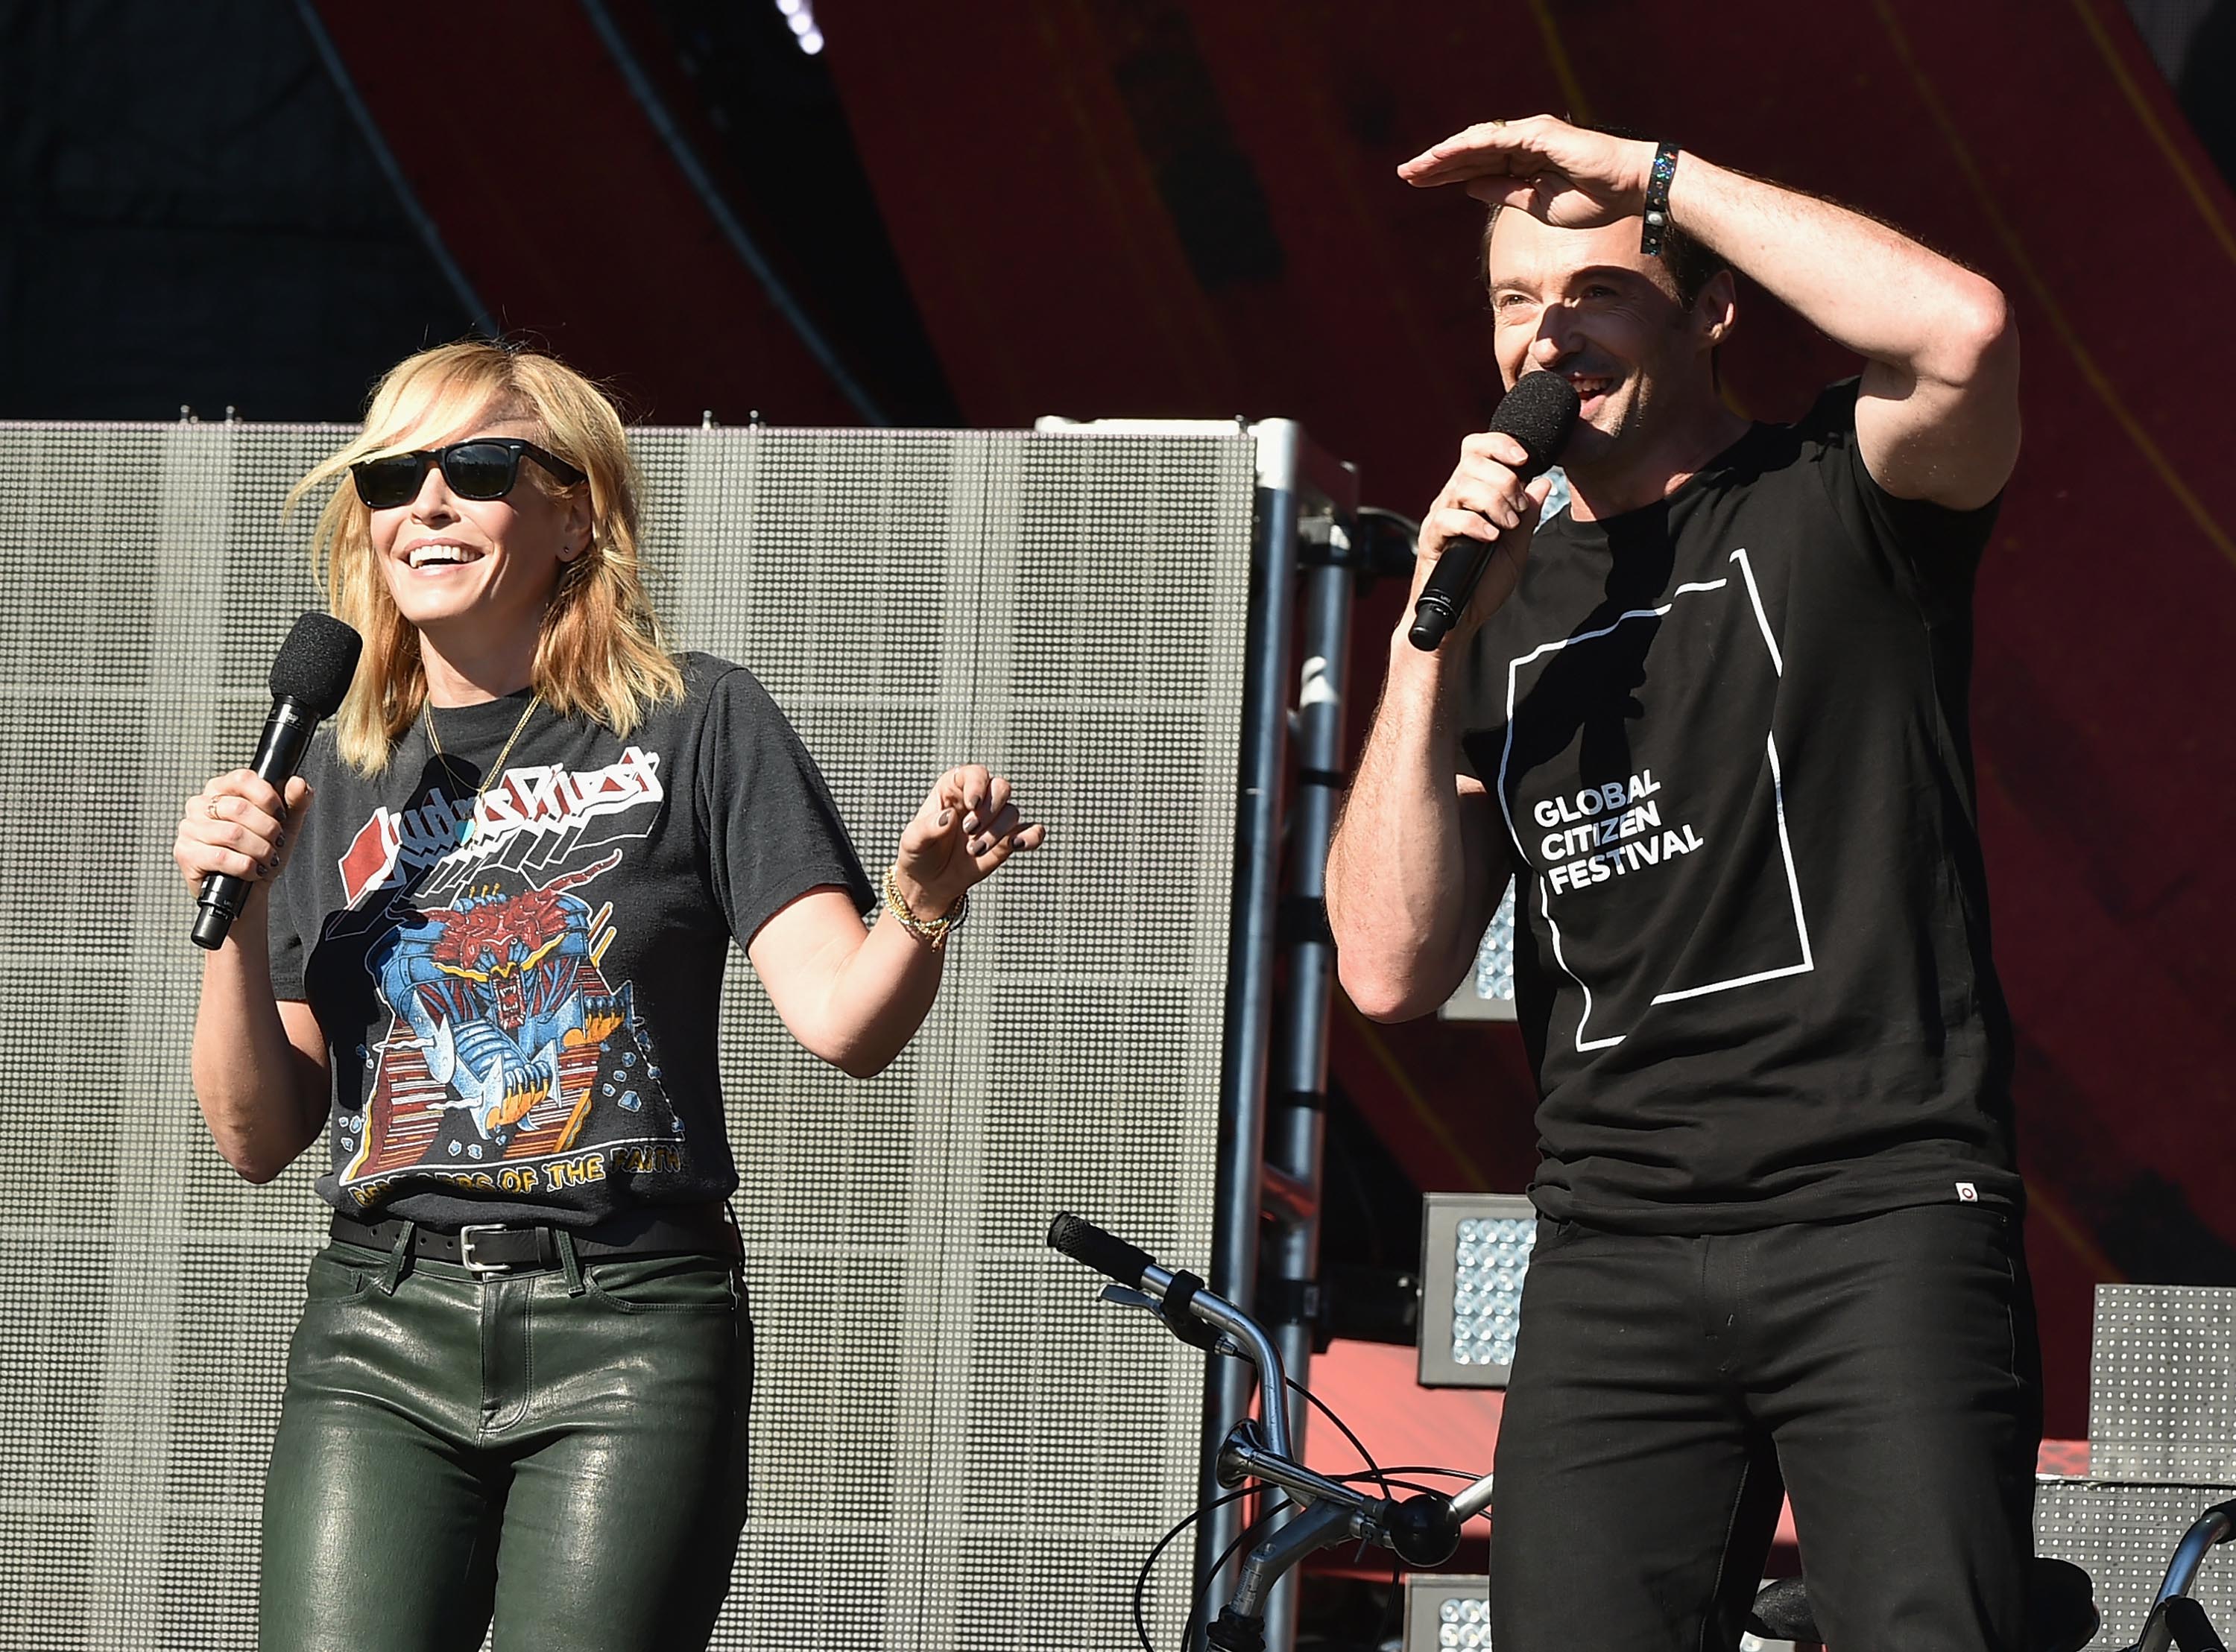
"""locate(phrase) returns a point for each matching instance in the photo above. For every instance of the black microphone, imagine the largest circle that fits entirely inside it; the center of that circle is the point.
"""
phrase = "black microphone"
(1539, 412)
(308, 679)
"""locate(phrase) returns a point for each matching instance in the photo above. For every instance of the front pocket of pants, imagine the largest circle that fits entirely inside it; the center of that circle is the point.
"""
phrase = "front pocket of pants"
(1551, 1235)
(664, 1285)
(333, 1279)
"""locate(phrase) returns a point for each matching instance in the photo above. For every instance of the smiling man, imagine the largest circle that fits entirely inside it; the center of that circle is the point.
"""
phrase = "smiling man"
(1711, 719)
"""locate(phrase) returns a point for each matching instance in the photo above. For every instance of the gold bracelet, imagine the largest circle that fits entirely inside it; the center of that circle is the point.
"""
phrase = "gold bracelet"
(935, 930)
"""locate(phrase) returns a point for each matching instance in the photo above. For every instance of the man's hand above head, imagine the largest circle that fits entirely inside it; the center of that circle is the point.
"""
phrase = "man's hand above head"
(1566, 175)
(1938, 418)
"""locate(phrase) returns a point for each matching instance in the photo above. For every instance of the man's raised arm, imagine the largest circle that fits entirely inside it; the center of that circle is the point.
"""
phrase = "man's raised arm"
(1938, 418)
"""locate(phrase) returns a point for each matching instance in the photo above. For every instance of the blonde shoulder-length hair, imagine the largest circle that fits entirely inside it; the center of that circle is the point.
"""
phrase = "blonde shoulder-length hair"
(602, 652)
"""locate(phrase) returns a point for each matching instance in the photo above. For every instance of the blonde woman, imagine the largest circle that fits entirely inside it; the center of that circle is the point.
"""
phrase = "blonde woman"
(486, 966)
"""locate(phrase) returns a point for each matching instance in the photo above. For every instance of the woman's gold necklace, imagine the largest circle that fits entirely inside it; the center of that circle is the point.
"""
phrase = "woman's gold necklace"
(474, 808)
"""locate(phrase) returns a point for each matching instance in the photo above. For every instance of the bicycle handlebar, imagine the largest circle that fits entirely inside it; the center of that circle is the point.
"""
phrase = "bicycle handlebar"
(1106, 1253)
(1423, 1530)
(1178, 1293)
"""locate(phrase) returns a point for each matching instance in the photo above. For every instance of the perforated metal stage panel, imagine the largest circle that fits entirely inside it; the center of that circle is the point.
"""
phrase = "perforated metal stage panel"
(2162, 1384)
(2161, 1451)
(955, 1447)
(2121, 1536)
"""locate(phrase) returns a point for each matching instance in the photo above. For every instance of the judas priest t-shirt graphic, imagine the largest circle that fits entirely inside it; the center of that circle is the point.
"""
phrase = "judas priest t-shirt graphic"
(519, 991)
(1726, 737)
(504, 1031)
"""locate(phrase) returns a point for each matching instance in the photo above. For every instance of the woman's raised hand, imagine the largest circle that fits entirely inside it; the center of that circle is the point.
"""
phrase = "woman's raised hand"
(237, 824)
(969, 826)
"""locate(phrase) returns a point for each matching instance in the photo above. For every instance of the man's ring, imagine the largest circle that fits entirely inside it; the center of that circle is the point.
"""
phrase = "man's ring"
(211, 804)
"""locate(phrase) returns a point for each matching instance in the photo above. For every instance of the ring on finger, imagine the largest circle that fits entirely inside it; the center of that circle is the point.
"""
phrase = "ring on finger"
(211, 804)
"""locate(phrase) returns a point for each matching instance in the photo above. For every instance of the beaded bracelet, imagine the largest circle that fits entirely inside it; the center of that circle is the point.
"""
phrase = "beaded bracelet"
(935, 930)
(1657, 199)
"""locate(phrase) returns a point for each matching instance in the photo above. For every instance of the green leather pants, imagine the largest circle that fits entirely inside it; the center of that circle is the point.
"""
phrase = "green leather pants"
(566, 1449)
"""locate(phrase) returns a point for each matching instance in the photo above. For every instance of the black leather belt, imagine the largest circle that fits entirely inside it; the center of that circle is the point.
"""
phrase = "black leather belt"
(514, 1248)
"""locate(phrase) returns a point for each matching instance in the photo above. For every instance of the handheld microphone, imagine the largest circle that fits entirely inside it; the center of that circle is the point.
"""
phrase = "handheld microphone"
(309, 678)
(1539, 412)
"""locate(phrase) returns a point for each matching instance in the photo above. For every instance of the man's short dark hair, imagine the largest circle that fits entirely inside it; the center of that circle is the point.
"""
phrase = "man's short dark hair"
(1691, 265)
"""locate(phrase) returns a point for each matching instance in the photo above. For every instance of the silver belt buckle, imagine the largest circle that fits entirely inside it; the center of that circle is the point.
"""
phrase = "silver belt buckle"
(480, 1269)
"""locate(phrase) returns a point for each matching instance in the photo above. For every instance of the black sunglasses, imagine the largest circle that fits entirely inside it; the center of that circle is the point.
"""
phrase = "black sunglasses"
(485, 468)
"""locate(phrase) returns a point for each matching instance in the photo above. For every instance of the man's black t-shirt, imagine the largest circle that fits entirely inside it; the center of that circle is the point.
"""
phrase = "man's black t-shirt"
(1727, 734)
(522, 1025)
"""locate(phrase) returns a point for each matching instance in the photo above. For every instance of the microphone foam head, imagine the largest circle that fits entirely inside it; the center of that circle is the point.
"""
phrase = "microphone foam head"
(316, 663)
(1539, 412)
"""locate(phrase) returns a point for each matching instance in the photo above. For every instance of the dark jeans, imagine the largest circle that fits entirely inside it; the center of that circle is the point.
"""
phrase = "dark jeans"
(566, 1447)
(1883, 1371)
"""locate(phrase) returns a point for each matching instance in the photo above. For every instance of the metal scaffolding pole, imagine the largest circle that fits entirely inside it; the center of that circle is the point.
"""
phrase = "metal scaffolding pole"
(1276, 1054)
(1296, 1114)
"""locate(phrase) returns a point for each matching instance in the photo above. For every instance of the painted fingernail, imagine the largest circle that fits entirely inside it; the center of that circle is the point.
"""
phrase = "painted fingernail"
(970, 823)
(945, 815)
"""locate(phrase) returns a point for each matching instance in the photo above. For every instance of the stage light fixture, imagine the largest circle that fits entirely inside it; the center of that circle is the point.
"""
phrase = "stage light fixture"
(1475, 1259)
(1450, 1612)
(1447, 1612)
(1488, 992)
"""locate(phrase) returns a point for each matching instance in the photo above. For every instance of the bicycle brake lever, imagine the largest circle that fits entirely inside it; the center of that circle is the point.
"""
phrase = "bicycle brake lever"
(1126, 1296)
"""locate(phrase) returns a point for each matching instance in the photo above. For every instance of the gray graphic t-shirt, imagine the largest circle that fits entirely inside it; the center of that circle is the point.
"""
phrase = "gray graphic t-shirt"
(519, 995)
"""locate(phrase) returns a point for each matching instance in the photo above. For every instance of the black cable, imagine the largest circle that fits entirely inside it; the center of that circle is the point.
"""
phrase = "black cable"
(1382, 1477)
(1376, 512)
(1423, 1468)
(1373, 1471)
(369, 133)
(1357, 1445)
(1202, 1600)
(1397, 1566)
(1378, 556)
(1403, 1486)
(1387, 1478)
(1196, 1598)
(1141, 1577)
(1197, 1601)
